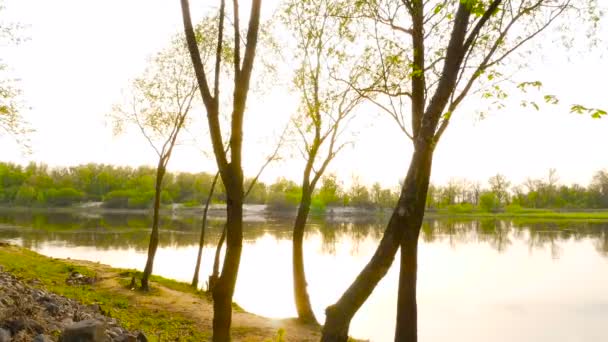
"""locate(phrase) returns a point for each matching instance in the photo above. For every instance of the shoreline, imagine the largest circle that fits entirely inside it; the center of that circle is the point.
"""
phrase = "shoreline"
(171, 311)
(260, 213)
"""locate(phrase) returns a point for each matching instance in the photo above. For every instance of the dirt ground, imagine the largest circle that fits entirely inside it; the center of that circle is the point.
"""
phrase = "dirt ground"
(245, 326)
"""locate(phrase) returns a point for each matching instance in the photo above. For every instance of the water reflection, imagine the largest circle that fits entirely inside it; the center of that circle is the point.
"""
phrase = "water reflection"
(479, 280)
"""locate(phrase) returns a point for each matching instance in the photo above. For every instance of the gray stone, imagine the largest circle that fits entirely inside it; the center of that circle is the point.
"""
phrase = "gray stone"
(52, 308)
(84, 331)
(17, 324)
(126, 338)
(5, 335)
(67, 321)
(42, 338)
(116, 330)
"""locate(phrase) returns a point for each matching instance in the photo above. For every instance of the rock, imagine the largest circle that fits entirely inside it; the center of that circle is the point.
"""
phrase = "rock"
(52, 308)
(42, 338)
(43, 298)
(95, 308)
(32, 314)
(82, 316)
(141, 337)
(126, 338)
(67, 321)
(7, 301)
(5, 335)
(76, 278)
(84, 331)
(15, 325)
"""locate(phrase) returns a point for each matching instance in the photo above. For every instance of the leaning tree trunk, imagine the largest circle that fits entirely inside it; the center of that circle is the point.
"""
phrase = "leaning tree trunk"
(305, 313)
(201, 242)
(405, 222)
(160, 173)
(215, 274)
(224, 289)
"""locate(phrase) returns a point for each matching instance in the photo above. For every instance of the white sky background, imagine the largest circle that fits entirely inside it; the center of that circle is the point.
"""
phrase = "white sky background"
(82, 54)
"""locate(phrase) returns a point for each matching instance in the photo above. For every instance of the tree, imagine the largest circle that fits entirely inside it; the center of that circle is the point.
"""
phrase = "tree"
(431, 197)
(201, 244)
(159, 103)
(11, 105)
(326, 106)
(431, 55)
(253, 185)
(450, 192)
(330, 192)
(500, 187)
(489, 202)
(599, 185)
(359, 195)
(230, 170)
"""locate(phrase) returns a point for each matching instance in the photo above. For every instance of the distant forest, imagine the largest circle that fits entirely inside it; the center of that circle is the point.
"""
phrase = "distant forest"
(38, 185)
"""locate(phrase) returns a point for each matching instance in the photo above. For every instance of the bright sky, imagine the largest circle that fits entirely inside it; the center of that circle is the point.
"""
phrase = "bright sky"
(81, 54)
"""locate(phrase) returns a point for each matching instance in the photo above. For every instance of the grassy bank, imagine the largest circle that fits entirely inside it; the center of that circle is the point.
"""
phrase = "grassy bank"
(172, 311)
(596, 215)
(341, 212)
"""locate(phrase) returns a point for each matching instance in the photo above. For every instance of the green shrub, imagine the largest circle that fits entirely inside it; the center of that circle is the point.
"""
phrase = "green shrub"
(283, 200)
(141, 200)
(462, 208)
(26, 195)
(117, 199)
(63, 197)
(488, 202)
(317, 206)
(191, 204)
(514, 208)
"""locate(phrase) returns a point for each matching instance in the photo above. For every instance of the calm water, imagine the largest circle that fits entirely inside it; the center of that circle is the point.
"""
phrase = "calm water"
(486, 280)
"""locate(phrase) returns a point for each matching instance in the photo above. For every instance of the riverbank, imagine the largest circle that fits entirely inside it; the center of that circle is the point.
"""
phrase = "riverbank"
(260, 213)
(171, 311)
(533, 214)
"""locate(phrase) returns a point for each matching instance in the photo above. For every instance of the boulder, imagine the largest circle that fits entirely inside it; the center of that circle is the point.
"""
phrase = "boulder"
(5, 335)
(52, 308)
(15, 325)
(42, 338)
(89, 330)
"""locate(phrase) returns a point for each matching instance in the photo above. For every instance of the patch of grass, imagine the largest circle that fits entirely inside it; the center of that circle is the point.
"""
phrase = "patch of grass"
(127, 274)
(278, 337)
(52, 273)
(463, 208)
(524, 213)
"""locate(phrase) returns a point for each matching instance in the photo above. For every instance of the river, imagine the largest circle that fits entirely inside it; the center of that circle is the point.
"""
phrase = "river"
(479, 280)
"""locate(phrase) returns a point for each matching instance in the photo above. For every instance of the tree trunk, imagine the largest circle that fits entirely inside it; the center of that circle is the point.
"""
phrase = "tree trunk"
(305, 313)
(224, 289)
(160, 173)
(406, 329)
(216, 261)
(201, 242)
(405, 222)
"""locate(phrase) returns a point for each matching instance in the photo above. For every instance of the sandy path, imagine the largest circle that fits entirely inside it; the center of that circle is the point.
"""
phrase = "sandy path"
(245, 326)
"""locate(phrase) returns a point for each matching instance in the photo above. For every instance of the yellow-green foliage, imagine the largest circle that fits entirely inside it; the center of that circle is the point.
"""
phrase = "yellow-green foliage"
(279, 337)
(52, 274)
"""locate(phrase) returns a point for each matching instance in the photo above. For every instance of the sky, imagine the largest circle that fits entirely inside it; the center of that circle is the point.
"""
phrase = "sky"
(81, 55)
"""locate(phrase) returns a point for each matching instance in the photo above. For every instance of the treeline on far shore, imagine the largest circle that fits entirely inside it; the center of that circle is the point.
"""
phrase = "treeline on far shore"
(118, 187)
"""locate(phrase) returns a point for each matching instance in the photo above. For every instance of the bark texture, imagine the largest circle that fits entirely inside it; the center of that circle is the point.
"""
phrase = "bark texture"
(153, 244)
(230, 169)
(405, 221)
(201, 243)
(302, 300)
